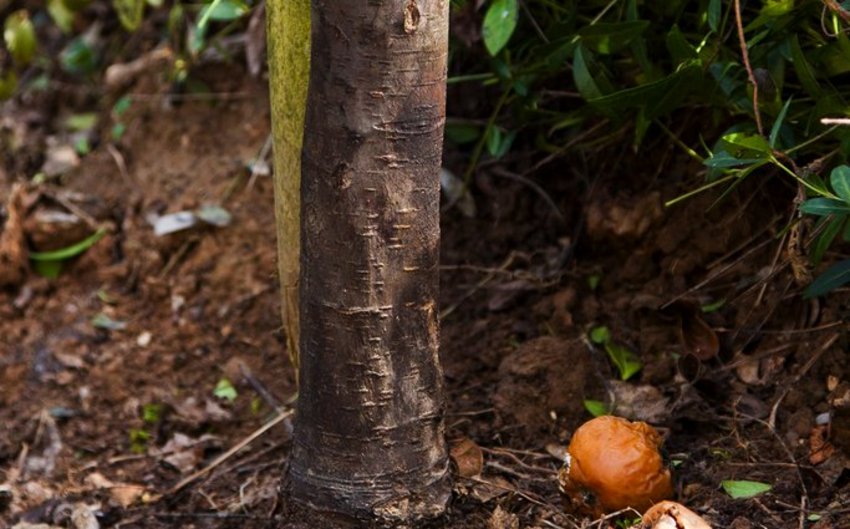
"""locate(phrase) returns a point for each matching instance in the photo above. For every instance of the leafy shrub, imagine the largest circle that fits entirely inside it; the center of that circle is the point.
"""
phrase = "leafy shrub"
(639, 65)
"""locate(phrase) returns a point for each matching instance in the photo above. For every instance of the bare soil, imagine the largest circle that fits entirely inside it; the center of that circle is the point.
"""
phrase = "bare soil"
(114, 420)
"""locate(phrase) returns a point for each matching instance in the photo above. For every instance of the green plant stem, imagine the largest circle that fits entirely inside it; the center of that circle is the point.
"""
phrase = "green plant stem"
(470, 77)
(700, 189)
(479, 147)
(202, 23)
(690, 152)
(810, 141)
(802, 181)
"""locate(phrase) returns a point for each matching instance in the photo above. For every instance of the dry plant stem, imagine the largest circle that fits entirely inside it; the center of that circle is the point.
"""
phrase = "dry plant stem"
(511, 489)
(478, 286)
(90, 221)
(828, 342)
(289, 66)
(776, 257)
(804, 496)
(227, 455)
(369, 430)
(499, 171)
(716, 275)
(746, 58)
(836, 121)
(120, 74)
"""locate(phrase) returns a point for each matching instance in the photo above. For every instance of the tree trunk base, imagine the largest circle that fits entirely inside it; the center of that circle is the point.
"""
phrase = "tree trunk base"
(389, 505)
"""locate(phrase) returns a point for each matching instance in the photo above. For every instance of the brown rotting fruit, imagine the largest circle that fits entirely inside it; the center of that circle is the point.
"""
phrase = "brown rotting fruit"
(613, 464)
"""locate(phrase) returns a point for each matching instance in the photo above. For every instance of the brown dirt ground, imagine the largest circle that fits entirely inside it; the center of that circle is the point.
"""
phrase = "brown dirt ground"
(113, 419)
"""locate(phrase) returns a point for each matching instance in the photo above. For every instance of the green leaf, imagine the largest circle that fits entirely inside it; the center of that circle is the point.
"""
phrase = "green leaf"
(607, 38)
(8, 84)
(714, 12)
(596, 408)
(225, 390)
(721, 159)
(499, 24)
(82, 121)
(658, 97)
(713, 306)
(585, 83)
(461, 133)
(744, 145)
(152, 413)
(600, 335)
(836, 276)
(129, 13)
(82, 146)
(494, 138)
(777, 125)
(745, 489)
(48, 269)
(118, 131)
(122, 105)
(498, 143)
(680, 49)
(138, 439)
(777, 8)
(824, 206)
(224, 10)
(827, 235)
(76, 5)
(70, 251)
(61, 15)
(803, 68)
(102, 321)
(627, 363)
(840, 180)
(19, 35)
(78, 57)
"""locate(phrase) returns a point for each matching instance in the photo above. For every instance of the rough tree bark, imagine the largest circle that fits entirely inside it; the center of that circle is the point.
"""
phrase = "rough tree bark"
(369, 433)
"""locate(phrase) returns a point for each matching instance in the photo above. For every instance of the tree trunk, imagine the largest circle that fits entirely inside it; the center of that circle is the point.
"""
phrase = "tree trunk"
(289, 66)
(369, 434)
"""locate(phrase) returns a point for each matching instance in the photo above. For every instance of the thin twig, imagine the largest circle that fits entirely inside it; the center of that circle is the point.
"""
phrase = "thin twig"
(215, 515)
(746, 57)
(835, 121)
(484, 280)
(510, 489)
(716, 275)
(119, 161)
(829, 342)
(498, 171)
(534, 23)
(227, 455)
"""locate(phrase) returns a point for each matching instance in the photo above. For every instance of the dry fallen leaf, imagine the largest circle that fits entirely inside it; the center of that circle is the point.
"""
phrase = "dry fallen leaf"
(467, 457)
(126, 495)
(13, 251)
(501, 519)
(820, 447)
(639, 402)
(123, 493)
(491, 487)
(697, 337)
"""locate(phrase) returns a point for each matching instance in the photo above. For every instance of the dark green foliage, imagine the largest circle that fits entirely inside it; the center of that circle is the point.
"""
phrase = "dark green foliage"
(642, 66)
